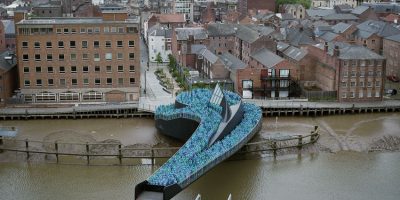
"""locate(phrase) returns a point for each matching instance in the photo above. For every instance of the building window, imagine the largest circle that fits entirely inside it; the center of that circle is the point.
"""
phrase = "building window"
(131, 43)
(352, 94)
(106, 29)
(27, 83)
(85, 56)
(90, 96)
(84, 44)
(85, 69)
(361, 94)
(61, 57)
(379, 73)
(362, 63)
(36, 45)
(60, 44)
(353, 73)
(377, 93)
(85, 81)
(24, 45)
(131, 68)
(37, 57)
(49, 57)
(69, 96)
(371, 63)
(73, 69)
(108, 56)
(361, 84)
(108, 69)
(345, 63)
(83, 30)
(74, 81)
(49, 45)
(353, 84)
(377, 84)
(369, 84)
(97, 68)
(108, 44)
(50, 82)
(89, 30)
(50, 70)
(131, 56)
(345, 73)
(132, 81)
(354, 63)
(38, 82)
(66, 30)
(113, 29)
(97, 81)
(96, 57)
(370, 73)
(120, 81)
(26, 69)
(379, 63)
(38, 69)
(373, 41)
(58, 30)
(73, 30)
(73, 56)
(96, 44)
(62, 69)
(96, 29)
(119, 43)
(362, 73)
(25, 57)
(344, 95)
(120, 56)
(72, 44)
(109, 81)
(120, 68)
(120, 30)
(62, 82)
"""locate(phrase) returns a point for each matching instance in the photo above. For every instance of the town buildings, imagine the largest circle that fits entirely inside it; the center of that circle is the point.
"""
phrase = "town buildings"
(391, 50)
(8, 76)
(159, 42)
(78, 59)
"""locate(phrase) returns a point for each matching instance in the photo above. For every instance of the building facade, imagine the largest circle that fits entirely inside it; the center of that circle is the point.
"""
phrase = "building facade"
(159, 42)
(391, 50)
(79, 59)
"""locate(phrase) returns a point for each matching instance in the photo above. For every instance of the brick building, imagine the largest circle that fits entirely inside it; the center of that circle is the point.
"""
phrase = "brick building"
(8, 76)
(245, 5)
(354, 72)
(391, 50)
(79, 59)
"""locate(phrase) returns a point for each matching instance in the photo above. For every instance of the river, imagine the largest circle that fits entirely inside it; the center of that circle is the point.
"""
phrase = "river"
(349, 173)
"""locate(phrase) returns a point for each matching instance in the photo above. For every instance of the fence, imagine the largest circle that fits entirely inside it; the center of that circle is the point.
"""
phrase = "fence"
(320, 95)
(88, 151)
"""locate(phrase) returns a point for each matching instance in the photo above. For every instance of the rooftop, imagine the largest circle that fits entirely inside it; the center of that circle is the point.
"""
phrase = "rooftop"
(267, 58)
(7, 64)
(295, 53)
(231, 62)
(171, 18)
(340, 16)
(395, 38)
(381, 28)
(359, 10)
(9, 27)
(66, 20)
(340, 27)
(198, 33)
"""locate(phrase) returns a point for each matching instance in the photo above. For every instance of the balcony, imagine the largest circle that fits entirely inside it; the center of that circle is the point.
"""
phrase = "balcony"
(272, 78)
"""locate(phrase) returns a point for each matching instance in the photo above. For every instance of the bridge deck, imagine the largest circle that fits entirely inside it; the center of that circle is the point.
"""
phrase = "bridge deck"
(149, 195)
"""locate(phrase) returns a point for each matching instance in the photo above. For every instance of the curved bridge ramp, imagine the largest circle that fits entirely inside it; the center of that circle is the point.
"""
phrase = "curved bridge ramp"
(225, 124)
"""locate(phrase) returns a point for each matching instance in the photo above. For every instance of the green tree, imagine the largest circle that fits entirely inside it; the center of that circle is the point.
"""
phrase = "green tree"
(159, 59)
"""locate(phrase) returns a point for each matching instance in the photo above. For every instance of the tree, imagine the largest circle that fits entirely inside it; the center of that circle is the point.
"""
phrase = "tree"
(159, 59)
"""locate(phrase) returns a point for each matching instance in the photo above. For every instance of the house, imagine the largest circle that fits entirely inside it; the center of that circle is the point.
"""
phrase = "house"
(345, 30)
(391, 50)
(170, 21)
(318, 13)
(159, 42)
(8, 76)
(319, 3)
(371, 33)
(333, 19)
(268, 76)
(234, 66)
(296, 10)
(354, 72)
(364, 13)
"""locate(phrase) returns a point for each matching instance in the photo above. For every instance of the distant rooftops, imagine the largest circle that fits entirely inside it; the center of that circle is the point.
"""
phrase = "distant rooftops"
(198, 33)
(267, 58)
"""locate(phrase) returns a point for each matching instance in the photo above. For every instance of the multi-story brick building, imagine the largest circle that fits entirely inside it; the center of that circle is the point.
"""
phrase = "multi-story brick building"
(391, 50)
(79, 59)
(354, 72)
(8, 76)
(371, 33)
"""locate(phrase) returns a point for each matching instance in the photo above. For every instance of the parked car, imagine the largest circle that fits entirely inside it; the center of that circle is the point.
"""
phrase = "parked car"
(393, 78)
(391, 91)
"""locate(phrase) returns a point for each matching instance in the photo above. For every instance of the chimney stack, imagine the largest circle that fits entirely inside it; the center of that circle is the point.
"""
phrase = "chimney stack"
(326, 47)
(336, 51)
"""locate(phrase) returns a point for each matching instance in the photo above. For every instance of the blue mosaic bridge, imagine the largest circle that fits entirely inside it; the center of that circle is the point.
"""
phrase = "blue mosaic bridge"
(214, 124)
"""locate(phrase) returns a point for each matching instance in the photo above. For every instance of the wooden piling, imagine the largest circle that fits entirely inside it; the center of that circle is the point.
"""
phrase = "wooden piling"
(87, 153)
(120, 154)
(27, 149)
(56, 147)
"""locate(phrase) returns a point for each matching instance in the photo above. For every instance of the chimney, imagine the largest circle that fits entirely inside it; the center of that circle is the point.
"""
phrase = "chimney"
(336, 51)
(326, 47)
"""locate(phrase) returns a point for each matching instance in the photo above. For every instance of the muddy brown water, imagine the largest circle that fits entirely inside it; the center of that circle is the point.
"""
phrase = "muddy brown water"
(348, 173)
